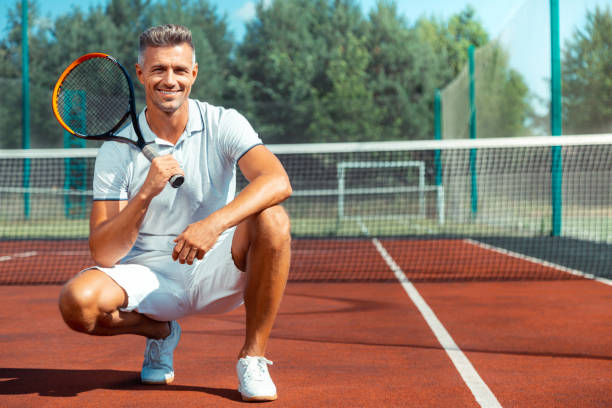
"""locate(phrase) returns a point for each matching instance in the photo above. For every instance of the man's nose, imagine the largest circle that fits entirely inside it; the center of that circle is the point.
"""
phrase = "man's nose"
(169, 78)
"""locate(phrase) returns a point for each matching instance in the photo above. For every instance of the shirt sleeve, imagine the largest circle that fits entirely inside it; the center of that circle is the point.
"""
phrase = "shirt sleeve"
(111, 173)
(237, 135)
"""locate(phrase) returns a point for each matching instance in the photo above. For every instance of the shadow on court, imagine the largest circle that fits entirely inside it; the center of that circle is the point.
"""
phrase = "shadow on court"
(70, 383)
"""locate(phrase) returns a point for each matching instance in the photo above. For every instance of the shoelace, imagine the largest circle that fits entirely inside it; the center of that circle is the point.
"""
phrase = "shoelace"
(256, 368)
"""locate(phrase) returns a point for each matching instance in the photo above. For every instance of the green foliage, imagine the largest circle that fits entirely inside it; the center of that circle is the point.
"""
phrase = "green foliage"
(306, 70)
(306, 62)
(404, 72)
(451, 39)
(347, 111)
(281, 59)
(587, 76)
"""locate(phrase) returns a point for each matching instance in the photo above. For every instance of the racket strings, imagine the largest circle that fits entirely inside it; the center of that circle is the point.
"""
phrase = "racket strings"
(94, 97)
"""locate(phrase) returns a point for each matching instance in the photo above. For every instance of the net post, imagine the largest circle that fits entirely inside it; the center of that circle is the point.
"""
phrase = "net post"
(25, 103)
(422, 199)
(340, 173)
(474, 179)
(556, 119)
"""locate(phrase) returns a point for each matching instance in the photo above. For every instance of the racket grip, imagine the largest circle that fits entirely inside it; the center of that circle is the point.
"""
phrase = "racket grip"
(177, 180)
(150, 152)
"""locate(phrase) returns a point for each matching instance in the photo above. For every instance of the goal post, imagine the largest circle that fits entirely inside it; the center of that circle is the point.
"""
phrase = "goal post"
(421, 188)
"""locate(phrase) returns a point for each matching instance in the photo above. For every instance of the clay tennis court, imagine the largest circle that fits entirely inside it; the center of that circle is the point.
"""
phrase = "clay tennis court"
(369, 342)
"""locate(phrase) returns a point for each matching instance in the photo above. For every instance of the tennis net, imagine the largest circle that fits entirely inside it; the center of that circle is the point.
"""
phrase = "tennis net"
(490, 209)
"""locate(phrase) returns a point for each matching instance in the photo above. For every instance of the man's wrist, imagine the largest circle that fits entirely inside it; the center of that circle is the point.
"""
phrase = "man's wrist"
(217, 222)
(144, 196)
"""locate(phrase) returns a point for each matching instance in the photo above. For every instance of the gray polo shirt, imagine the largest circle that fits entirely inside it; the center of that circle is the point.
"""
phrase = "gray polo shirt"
(208, 150)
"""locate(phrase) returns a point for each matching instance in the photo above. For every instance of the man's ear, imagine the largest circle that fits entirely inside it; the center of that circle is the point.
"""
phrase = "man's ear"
(194, 71)
(139, 73)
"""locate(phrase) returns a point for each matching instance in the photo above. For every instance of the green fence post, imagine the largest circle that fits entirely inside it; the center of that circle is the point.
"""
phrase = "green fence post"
(473, 153)
(25, 105)
(556, 120)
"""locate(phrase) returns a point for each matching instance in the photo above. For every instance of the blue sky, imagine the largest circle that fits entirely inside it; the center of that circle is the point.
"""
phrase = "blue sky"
(492, 13)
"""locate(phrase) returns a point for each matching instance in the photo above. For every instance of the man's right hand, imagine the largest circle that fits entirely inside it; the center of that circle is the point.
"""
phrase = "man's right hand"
(162, 168)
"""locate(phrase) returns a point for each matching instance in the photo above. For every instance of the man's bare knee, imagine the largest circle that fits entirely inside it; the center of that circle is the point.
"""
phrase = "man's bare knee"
(86, 300)
(274, 227)
(78, 307)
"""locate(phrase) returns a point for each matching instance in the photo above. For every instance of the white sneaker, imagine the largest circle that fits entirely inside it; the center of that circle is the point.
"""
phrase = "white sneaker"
(255, 383)
(157, 367)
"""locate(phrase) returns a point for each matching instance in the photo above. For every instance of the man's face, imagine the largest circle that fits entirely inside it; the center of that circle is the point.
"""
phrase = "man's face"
(167, 74)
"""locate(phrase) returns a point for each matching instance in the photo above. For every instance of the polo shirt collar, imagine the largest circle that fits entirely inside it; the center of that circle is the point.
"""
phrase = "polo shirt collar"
(194, 125)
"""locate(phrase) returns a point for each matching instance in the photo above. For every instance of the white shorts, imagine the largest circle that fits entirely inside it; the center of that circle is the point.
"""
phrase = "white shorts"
(164, 290)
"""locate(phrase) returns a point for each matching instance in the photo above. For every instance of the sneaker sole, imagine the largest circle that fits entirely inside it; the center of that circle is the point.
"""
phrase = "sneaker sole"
(259, 398)
(168, 381)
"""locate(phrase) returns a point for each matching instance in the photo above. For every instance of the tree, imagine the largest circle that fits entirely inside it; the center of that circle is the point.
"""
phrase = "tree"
(587, 76)
(280, 63)
(347, 111)
(305, 62)
(404, 72)
(10, 80)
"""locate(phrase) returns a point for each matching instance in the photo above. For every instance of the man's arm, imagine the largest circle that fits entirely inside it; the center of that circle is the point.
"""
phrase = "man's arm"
(268, 185)
(114, 225)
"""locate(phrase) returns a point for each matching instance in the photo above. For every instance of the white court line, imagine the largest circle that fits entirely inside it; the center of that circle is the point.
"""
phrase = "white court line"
(539, 261)
(69, 253)
(484, 396)
(18, 255)
(36, 253)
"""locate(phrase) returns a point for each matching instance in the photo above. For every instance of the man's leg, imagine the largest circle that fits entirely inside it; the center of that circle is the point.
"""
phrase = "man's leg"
(262, 248)
(90, 303)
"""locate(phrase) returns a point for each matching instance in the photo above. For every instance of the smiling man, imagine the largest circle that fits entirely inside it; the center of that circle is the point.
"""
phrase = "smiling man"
(165, 253)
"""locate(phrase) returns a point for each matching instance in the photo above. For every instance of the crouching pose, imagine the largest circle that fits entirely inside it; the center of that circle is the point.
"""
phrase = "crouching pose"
(166, 253)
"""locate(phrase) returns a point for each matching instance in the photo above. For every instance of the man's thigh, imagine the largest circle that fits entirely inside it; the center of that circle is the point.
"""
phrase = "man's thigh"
(217, 284)
(148, 292)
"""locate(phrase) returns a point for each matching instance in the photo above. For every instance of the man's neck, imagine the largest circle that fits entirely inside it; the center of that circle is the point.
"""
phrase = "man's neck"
(168, 126)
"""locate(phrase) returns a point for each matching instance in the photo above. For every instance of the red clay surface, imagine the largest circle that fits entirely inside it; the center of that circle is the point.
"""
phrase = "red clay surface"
(44, 261)
(536, 344)
(430, 260)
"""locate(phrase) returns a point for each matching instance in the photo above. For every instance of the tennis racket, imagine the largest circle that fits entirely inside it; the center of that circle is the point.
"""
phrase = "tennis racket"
(94, 97)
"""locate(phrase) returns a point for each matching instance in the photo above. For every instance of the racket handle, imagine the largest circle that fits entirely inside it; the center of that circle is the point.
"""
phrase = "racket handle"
(150, 152)
(176, 181)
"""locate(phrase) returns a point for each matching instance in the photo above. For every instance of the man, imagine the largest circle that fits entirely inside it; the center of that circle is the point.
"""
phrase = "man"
(165, 253)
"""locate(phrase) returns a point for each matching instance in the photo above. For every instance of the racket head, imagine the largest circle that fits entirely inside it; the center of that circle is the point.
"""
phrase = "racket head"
(93, 97)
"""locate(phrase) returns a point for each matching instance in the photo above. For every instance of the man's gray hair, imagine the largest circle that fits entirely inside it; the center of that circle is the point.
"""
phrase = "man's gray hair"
(164, 36)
